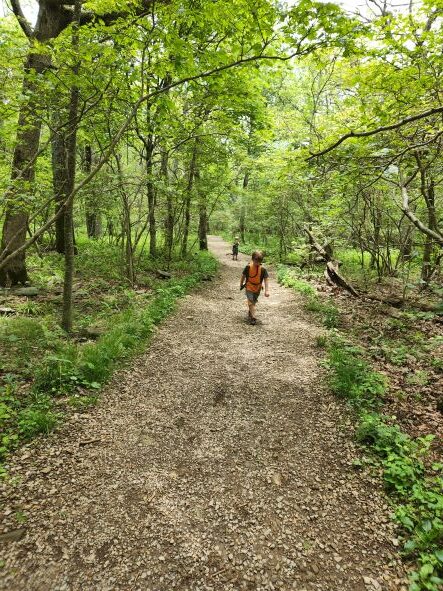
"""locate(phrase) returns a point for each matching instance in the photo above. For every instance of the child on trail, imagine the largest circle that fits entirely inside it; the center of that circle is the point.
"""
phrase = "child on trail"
(252, 278)
(235, 249)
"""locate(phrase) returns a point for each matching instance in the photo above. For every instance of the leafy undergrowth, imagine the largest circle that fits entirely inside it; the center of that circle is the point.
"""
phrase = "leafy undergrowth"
(411, 473)
(44, 373)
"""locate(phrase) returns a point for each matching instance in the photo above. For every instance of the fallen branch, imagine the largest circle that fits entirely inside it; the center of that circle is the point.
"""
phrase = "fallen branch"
(332, 275)
(338, 279)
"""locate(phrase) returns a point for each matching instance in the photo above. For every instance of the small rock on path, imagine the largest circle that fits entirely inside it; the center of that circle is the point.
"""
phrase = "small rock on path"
(218, 461)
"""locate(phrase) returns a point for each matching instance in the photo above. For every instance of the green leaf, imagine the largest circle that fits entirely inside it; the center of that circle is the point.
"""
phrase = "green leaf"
(426, 570)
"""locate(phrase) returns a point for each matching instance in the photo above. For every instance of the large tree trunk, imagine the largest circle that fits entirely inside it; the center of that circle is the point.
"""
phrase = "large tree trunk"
(52, 18)
(22, 175)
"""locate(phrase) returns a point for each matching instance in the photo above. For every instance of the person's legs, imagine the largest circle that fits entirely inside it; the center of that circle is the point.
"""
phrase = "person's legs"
(252, 301)
(251, 309)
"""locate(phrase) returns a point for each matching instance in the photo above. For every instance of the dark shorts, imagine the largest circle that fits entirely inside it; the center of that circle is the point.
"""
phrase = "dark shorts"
(252, 296)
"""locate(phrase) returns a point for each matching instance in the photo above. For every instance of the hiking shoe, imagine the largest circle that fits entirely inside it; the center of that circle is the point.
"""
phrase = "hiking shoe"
(253, 321)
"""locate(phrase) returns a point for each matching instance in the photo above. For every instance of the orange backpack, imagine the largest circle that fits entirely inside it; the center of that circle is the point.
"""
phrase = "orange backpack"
(254, 280)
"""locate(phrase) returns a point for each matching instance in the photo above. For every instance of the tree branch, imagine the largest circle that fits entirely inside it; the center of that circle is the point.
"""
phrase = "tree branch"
(22, 21)
(417, 223)
(400, 123)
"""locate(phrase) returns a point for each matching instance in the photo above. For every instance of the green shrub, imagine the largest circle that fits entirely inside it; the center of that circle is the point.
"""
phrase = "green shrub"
(36, 418)
(287, 278)
(57, 372)
(352, 377)
(321, 341)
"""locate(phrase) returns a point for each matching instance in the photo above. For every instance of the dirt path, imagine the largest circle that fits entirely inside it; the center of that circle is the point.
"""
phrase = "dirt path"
(218, 461)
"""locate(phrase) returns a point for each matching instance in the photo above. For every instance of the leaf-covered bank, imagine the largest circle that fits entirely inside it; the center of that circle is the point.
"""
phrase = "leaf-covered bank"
(412, 476)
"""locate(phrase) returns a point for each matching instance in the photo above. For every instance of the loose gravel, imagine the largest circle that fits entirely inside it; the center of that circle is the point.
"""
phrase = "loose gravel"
(218, 461)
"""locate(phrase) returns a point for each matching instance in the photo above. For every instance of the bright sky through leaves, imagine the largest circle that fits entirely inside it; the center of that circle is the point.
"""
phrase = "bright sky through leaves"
(30, 7)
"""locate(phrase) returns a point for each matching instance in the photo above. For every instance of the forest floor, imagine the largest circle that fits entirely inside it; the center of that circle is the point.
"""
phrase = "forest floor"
(217, 461)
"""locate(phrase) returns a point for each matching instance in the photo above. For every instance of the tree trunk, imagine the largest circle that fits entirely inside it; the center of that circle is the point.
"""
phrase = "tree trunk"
(129, 250)
(52, 18)
(427, 270)
(242, 228)
(22, 175)
(151, 196)
(93, 224)
(405, 254)
(203, 220)
(59, 177)
(71, 143)
(188, 194)
(169, 220)
(93, 217)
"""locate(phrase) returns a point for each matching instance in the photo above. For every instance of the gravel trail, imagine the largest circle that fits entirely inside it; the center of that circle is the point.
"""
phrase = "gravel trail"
(217, 461)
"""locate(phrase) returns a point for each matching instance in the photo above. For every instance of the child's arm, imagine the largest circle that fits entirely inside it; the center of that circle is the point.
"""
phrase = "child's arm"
(266, 287)
(242, 281)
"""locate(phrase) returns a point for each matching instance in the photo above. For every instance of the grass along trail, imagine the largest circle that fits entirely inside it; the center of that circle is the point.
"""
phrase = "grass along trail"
(217, 461)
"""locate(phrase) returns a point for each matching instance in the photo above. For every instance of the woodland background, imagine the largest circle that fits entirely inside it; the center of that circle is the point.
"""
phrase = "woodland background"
(130, 130)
